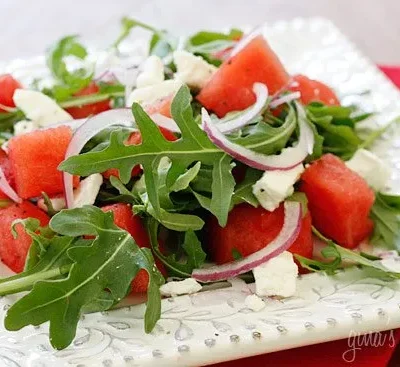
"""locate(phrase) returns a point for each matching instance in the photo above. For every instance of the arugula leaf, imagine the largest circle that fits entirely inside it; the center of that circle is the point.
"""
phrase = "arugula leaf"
(68, 82)
(110, 263)
(386, 216)
(7, 121)
(243, 192)
(191, 245)
(337, 254)
(184, 180)
(335, 127)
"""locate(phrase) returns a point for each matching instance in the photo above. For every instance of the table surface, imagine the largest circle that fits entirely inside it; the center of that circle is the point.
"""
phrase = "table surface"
(28, 27)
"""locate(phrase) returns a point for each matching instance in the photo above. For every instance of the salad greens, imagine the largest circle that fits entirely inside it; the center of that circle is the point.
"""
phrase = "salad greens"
(84, 262)
(95, 272)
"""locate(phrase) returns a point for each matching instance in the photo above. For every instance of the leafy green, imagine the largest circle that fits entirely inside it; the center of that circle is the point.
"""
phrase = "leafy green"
(195, 256)
(244, 190)
(184, 180)
(337, 254)
(69, 82)
(386, 216)
(109, 263)
(335, 129)
(376, 134)
(7, 121)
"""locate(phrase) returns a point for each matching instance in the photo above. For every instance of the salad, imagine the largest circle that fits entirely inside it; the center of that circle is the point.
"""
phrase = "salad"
(183, 162)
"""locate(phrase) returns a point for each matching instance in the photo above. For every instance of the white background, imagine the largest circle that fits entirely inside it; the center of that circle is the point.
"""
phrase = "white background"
(27, 27)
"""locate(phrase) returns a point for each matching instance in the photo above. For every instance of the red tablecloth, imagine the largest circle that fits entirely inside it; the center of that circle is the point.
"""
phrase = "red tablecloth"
(355, 352)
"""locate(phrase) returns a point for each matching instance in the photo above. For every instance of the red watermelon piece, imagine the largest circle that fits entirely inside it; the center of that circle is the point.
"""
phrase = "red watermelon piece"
(6, 167)
(162, 106)
(249, 230)
(88, 109)
(339, 201)
(230, 89)
(13, 251)
(314, 91)
(125, 219)
(34, 159)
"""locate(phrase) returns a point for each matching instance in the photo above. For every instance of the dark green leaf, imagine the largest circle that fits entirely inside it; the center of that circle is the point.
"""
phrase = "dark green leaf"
(111, 262)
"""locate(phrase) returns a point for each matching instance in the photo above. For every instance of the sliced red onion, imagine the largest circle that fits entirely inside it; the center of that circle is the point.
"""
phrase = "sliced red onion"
(92, 126)
(165, 122)
(289, 157)
(261, 92)
(288, 234)
(285, 99)
(244, 41)
(7, 189)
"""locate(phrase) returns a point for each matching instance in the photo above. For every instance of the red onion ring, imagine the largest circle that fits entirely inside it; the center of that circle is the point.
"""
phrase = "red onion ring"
(229, 125)
(92, 126)
(289, 157)
(287, 235)
(284, 99)
(7, 189)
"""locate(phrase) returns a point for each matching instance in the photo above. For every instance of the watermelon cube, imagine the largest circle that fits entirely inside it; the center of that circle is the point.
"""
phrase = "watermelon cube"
(125, 219)
(13, 251)
(8, 173)
(34, 159)
(339, 201)
(231, 87)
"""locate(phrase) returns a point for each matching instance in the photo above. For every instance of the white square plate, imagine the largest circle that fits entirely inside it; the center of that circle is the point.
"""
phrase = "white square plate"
(216, 326)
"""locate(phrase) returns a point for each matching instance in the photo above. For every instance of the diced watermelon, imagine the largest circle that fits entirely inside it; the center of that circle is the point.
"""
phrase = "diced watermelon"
(88, 109)
(13, 251)
(230, 89)
(34, 159)
(162, 106)
(8, 85)
(6, 167)
(135, 139)
(125, 219)
(249, 230)
(314, 91)
(339, 201)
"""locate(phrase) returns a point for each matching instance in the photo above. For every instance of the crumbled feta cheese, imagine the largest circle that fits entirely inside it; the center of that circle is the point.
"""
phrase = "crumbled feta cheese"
(153, 72)
(24, 127)
(84, 194)
(176, 288)
(87, 190)
(39, 108)
(192, 70)
(275, 186)
(277, 277)
(58, 203)
(371, 168)
(152, 93)
(254, 302)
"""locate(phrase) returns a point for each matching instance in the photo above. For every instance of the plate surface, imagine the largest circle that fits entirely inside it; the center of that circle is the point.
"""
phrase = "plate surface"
(216, 326)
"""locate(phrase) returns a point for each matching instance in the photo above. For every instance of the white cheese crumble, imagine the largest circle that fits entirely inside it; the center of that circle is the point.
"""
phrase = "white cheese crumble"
(152, 73)
(84, 194)
(176, 288)
(24, 127)
(275, 186)
(153, 93)
(254, 302)
(371, 168)
(277, 277)
(39, 108)
(192, 70)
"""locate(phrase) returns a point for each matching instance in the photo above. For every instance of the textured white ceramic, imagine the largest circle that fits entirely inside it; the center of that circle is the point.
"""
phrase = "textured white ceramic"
(216, 326)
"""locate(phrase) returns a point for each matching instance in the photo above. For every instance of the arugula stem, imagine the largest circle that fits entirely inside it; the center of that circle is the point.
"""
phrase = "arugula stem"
(371, 138)
(25, 283)
(94, 98)
(153, 232)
